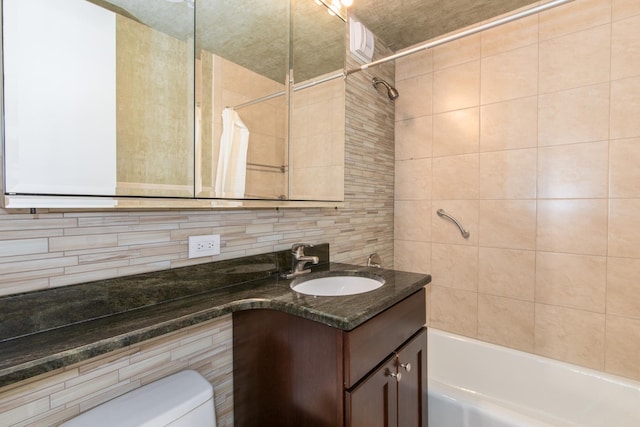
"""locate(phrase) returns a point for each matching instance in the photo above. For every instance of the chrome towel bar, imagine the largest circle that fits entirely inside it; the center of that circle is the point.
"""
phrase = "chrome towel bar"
(464, 232)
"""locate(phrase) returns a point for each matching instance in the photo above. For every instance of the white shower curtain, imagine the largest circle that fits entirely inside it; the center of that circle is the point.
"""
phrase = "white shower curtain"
(232, 159)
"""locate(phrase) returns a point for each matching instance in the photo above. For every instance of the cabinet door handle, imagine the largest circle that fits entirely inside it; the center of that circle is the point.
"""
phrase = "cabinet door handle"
(406, 366)
(397, 376)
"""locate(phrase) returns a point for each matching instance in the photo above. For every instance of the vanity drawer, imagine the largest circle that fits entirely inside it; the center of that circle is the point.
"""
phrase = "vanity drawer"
(374, 340)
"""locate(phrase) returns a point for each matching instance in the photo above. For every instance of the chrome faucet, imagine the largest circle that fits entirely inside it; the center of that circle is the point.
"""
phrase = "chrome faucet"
(299, 260)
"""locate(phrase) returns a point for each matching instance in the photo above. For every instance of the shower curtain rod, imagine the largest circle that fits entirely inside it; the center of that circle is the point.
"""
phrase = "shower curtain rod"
(296, 88)
(461, 34)
(424, 46)
(257, 100)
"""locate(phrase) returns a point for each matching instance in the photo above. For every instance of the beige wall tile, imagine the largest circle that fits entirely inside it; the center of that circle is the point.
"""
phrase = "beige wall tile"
(413, 138)
(623, 347)
(73, 394)
(413, 179)
(420, 102)
(190, 349)
(573, 171)
(17, 286)
(305, 148)
(572, 281)
(509, 125)
(625, 8)
(570, 335)
(21, 413)
(326, 183)
(508, 174)
(12, 248)
(145, 365)
(457, 52)
(412, 256)
(518, 33)
(456, 132)
(132, 238)
(456, 87)
(623, 287)
(455, 266)
(18, 223)
(507, 322)
(454, 310)
(109, 365)
(509, 224)
(624, 174)
(576, 59)
(33, 389)
(625, 108)
(412, 220)
(103, 397)
(510, 75)
(52, 418)
(445, 231)
(576, 115)
(414, 65)
(574, 16)
(319, 114)
(455, 177)
(507, 273)
(241, 81)
(624, 228)
(572, 226)
(625, 48)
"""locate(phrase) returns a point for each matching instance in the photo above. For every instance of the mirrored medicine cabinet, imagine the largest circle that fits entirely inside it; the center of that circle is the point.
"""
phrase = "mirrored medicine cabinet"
(148, 103)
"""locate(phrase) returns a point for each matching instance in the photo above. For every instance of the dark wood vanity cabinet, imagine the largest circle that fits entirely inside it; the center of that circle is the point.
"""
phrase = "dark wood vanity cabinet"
(290, 371)
(395, 394)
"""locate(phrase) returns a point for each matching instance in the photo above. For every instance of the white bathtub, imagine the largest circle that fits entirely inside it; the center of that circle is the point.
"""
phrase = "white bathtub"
(476, 384)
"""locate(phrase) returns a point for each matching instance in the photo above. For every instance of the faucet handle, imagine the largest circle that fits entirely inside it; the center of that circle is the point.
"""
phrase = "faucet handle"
(298, 248)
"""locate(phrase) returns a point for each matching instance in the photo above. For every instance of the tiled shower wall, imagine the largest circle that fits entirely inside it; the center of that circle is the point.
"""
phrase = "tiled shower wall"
(529, 134)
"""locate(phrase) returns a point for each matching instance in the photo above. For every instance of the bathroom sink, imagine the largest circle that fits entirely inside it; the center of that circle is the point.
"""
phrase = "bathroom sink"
(334, 285)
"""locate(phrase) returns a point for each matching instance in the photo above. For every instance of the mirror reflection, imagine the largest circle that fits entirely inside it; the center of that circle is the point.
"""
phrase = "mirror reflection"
(317, 122)
(98, 98)
(318, 40)
(241, 106)
(249, 143)
(115, 112)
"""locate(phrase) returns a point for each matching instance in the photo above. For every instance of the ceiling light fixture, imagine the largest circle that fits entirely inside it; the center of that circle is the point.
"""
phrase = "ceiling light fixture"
(335, 7)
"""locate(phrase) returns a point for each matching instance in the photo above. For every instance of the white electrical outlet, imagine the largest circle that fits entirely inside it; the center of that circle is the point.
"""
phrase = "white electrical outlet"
(200, 246)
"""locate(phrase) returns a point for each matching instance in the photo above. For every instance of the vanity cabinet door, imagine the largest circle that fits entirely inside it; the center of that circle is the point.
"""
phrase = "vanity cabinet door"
(373, 403)
(396, 393)
(412, 389)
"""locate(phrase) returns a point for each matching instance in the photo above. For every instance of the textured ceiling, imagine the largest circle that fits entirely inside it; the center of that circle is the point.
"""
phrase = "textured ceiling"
(254, 33)
(402, 23)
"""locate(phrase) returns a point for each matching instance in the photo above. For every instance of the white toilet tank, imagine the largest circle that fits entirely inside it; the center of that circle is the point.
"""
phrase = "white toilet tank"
(184, 399)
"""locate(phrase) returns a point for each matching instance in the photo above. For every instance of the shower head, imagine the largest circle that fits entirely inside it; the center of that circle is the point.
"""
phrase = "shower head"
(392, 92)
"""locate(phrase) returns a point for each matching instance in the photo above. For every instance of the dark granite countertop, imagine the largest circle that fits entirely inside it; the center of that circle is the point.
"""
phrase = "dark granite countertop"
(46, 330)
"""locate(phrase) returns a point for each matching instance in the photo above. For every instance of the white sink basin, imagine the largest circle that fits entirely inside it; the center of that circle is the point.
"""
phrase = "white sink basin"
(333, 286)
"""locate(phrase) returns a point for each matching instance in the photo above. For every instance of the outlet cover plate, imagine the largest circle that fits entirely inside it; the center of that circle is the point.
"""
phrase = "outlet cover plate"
(200, 246)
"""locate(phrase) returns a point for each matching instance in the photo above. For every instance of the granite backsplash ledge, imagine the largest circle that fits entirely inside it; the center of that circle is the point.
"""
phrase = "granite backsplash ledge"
(33, 312)
(68, 325)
